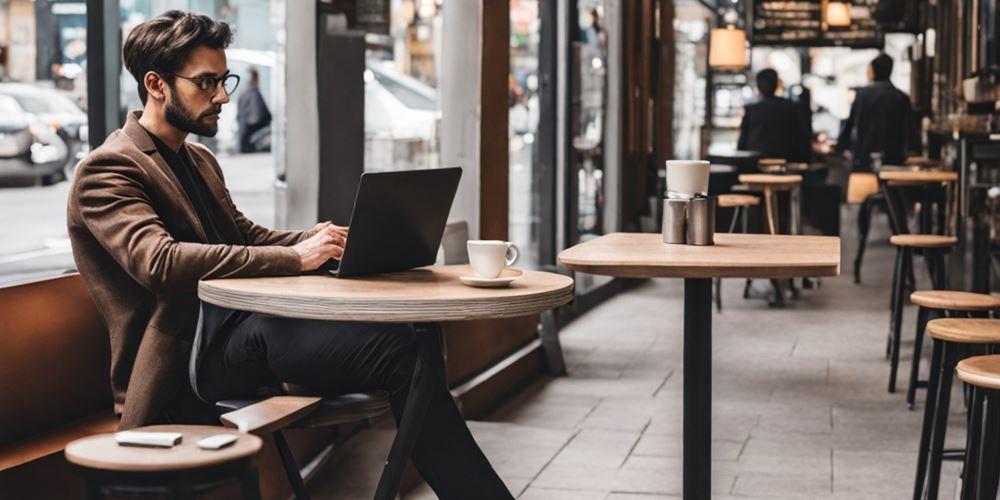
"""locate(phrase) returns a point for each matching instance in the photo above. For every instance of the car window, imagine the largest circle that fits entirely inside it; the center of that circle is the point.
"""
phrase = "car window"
(45, 102)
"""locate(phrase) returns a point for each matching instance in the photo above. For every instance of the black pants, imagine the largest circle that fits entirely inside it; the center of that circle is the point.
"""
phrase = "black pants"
(335, 358)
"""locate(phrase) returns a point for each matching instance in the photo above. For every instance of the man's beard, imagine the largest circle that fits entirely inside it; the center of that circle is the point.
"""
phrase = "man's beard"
(178, 116)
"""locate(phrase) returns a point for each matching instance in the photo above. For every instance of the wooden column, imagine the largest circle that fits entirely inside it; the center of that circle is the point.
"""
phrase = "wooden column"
(663, 140)
(493, 140)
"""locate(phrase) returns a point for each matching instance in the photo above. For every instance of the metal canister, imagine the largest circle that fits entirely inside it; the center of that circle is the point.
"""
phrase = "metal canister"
(675, 213)
(701, 221)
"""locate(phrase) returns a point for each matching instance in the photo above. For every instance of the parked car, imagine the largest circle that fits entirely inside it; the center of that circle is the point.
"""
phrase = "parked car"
(51, 108)
(30, 151)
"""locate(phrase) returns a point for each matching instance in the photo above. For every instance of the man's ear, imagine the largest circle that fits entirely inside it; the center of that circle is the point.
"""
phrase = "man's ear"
(155, 86)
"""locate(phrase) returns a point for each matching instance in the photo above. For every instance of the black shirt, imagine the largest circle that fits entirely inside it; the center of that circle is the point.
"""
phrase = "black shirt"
(776, 128)
(194, 186)
(881, 121)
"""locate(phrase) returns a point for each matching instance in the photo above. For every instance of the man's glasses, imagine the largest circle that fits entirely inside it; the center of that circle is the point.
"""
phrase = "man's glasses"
(229, 82)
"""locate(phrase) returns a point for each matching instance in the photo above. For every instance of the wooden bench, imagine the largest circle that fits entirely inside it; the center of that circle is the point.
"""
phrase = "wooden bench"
(54, 386)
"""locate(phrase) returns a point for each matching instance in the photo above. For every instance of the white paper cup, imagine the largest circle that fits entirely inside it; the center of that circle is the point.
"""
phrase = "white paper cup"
(687, 178)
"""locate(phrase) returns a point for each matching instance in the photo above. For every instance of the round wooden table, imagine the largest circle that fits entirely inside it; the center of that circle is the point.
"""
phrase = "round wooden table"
(640, 255)
(181, 471)
(424, 296)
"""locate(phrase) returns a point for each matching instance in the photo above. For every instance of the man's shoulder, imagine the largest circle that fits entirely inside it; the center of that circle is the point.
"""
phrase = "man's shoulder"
(117, 149)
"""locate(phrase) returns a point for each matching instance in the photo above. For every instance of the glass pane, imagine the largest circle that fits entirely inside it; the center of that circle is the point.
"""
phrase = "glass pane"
(524, 215)
(402, 111)
(43, 131)
(244, 144)
(588, 117)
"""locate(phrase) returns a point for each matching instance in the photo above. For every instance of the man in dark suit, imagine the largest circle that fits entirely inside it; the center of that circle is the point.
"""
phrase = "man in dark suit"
(773, 126)
(881, 120)
(149, 216)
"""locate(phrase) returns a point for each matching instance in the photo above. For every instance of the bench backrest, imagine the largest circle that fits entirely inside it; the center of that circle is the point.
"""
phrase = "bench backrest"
(54, 356)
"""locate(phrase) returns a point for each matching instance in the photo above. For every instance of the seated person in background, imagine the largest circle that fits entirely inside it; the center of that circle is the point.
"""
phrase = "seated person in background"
(881, 120)
(149, 216)
(773, 126)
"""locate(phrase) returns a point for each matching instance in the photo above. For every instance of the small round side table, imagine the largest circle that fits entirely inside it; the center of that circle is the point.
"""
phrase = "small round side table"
(180, 472)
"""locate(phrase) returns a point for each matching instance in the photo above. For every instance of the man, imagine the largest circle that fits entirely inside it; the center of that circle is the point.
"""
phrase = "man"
(773, 126)
(880, 122)
(251, 112)
(149, 215)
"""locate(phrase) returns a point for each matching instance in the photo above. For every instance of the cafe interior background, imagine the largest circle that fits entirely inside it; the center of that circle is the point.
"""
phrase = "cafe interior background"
(562, 114)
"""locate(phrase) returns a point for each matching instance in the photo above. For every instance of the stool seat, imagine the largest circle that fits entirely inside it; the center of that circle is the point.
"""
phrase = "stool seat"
(770, 179)
(965, 330)
(923, 240)
(738, 200)
(980, 371)
(103, 452)
(950, 300)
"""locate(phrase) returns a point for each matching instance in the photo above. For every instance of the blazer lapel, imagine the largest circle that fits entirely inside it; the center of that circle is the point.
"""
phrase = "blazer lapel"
(140, 137)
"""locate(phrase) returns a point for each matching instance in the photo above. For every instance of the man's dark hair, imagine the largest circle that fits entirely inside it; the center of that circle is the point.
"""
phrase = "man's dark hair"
(162, 44)
(767, 82)
(882, 67)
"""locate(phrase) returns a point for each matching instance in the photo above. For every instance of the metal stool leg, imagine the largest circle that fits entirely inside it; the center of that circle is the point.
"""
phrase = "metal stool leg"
(896, 324)
(989, 452)
(718, 281)
(291, 469)
(973, 440)
(923, 451)
(918, 344)
(940, 426)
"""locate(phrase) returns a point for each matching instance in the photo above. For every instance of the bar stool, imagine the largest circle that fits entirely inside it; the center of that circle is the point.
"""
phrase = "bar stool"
(180, 472)
(770, 185)
(934, 248)
(982, 449)
(947, 302)
(862, 189)
(954, 339)
(740, 203)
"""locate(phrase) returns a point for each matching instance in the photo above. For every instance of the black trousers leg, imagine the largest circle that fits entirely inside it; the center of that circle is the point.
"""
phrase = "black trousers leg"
(333, 358)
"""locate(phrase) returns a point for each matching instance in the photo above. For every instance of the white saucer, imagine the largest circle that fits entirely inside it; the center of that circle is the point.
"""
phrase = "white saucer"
(507, 276)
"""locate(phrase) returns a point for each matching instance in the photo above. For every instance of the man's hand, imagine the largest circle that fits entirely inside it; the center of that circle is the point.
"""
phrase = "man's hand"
(325, 241)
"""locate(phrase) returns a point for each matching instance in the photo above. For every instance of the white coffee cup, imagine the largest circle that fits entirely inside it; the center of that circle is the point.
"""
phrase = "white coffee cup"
(687, 178)
(489, 257)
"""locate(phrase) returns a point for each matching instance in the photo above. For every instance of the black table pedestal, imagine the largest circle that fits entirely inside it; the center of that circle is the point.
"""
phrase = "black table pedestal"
(697, 388)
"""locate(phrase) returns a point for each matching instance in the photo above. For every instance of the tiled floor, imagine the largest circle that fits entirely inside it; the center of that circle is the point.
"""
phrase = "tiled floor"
(800, 403)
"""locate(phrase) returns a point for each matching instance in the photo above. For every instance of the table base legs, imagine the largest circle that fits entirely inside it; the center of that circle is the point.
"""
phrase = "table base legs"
(413, 415)
(697, 388)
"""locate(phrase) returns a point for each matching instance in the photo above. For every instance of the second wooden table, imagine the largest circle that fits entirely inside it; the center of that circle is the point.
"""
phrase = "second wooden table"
(644, 255)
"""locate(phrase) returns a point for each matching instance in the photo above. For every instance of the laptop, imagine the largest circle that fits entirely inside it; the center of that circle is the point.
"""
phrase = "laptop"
(397, 221)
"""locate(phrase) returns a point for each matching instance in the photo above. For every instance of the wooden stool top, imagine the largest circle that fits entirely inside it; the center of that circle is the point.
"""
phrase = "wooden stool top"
(770, 179)
(923, 240)
(949, 300)
(916, 177)
(965, 330)
(738, 200)
(103, 452)
(980, 371)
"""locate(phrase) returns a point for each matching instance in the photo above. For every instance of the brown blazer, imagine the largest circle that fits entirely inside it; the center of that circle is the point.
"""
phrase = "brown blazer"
(141, 249)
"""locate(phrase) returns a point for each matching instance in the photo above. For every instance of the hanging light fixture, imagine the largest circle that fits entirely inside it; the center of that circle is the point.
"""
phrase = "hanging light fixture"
(838, 14)
(727, 48)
